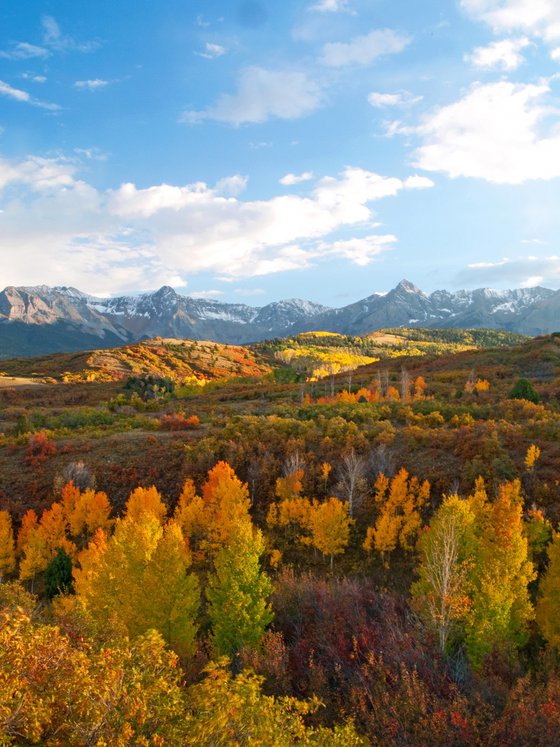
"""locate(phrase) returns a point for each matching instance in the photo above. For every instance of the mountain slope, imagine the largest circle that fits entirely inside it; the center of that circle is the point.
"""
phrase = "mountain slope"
(181, 360)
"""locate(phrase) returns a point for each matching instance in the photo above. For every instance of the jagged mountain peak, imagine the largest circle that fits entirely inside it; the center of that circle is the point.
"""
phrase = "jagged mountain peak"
(407, 287)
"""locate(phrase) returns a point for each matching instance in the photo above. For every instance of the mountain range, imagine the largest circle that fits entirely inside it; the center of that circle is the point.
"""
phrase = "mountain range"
(40, 320)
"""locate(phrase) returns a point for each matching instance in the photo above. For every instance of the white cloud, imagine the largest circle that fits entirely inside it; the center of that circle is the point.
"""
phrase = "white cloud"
(522, 272)
(359, 251)
(37, 173)
(536, 17)
(290, 179)
(261, 95)
(361, 50)
(92, 154)
(24, 51)
(231, 185)
(532, 281)
(13, 93)
(206, 293)
(502, 55)
(19, 95)
(330, 6)
(211, 51)
(496, 132)
(34, 78)
(54, 39)
(60, 230)
(91, 85)
(555, 54)
(398, 99)
(418, 182)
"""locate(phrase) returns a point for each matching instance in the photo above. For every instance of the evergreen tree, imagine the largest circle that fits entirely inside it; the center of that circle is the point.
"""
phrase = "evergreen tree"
(523, 389)
(58, 575)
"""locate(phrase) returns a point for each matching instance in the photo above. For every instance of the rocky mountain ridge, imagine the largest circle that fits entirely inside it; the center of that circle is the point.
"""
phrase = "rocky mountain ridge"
(37, 320)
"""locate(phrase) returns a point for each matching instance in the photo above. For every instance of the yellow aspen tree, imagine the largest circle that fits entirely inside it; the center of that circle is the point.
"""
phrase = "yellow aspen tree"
(531, 457)
(86, 512)
(548, 604)
(294, 517)
(28, 524)
(148, 500)
(7, 545)
(501, 572)
(481, 385)
(399, 519)
(43, 540)
(417, 495)
(227, 501)
(171, 593)
(138, 576)
(193, 517)
(539, 533)
(69, 496)
(419, 387)
(89, 562)
(330, 527)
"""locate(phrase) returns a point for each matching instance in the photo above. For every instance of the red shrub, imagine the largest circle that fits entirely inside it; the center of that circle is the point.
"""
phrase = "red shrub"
(39, 449)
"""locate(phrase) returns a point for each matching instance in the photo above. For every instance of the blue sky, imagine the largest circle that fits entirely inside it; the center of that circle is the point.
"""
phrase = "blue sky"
(254, 150)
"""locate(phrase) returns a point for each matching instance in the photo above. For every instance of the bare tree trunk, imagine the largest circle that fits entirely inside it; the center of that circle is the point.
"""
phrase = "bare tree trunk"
(351, 474)
(445, 575)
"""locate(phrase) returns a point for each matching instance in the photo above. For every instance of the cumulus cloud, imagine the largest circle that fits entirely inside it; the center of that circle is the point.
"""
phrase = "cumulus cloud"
(262, 95)
(290, 179)
(539, 18)
(498, 132)
(362, 50)
(133, 237)
(501, 55)
(523, 272)
(37, 173)
(359, 251)
(398, 99)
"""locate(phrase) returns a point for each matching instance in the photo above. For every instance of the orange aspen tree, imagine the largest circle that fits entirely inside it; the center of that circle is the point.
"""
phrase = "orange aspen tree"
(399, 520)
(7, 545)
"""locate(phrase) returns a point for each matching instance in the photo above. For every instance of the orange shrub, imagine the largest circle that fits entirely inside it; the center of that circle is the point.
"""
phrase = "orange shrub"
(178, 422)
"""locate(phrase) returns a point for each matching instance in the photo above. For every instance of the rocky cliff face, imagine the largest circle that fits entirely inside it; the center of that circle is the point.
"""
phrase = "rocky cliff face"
(42, 319)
